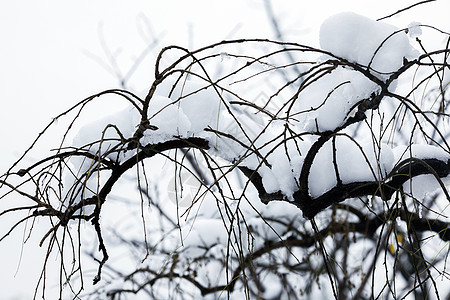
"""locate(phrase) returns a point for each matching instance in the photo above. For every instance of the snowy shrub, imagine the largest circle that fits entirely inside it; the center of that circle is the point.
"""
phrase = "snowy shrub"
(332, 185)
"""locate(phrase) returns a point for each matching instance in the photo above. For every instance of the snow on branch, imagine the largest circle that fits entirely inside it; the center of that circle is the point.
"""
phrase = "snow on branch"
(308, 142)
(348, 126)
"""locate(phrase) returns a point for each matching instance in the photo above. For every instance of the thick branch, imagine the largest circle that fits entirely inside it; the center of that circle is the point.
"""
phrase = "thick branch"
(143, 153)
(256, 180)
(409, 169)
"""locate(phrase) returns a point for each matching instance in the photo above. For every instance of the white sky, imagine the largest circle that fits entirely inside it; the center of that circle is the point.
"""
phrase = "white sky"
(47, 50)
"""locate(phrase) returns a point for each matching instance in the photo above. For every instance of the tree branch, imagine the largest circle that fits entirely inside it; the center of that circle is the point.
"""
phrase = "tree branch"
(408, 169)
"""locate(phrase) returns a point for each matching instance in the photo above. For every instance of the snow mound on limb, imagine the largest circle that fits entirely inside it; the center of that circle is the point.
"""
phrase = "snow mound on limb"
(365, 41)
(198, 100)
(330, 99)
(327, 102)
(169, 118)
(356, 162)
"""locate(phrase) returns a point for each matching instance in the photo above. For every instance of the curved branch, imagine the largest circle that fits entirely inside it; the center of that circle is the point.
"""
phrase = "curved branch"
(63, 155)
(143, 153)
(408, 169)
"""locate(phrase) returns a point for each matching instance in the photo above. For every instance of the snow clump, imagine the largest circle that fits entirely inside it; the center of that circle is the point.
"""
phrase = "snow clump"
(367, 42)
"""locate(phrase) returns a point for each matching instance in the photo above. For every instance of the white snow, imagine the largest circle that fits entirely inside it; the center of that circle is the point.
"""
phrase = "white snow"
(421, 186)
(98, 138)
(198, 100)
(331, 99)
(420, 151)
(355, 163)
(414, 29)
(326, 103)
(170, 119)
(357, 38)
(125, 121)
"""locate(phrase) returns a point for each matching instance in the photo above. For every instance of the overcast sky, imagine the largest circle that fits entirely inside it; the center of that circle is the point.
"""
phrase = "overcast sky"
(53, 54)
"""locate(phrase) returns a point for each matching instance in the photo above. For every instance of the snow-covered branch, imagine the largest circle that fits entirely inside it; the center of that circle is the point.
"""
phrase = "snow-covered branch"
(360, 123)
